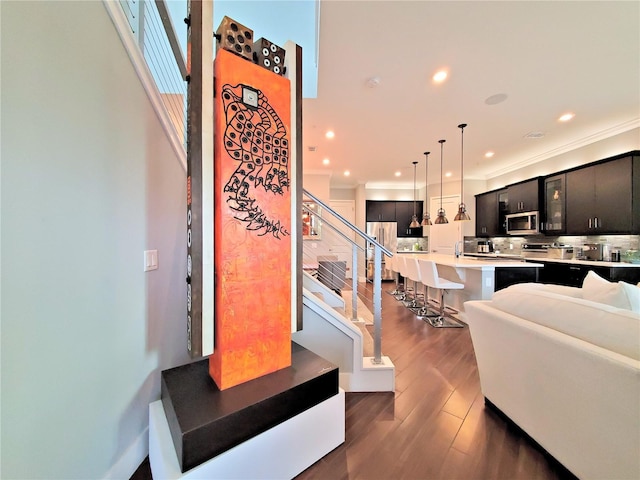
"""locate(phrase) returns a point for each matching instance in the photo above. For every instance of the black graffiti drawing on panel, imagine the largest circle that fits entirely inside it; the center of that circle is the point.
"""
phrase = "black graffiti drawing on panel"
(256, 137)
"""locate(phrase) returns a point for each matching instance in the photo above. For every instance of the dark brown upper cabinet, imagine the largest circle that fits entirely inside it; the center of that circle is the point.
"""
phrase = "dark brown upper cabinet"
(404, 213)
(381, 211)
(524, 196)
(603, 198)
(555, 205)
(395, 211)
(487, 214)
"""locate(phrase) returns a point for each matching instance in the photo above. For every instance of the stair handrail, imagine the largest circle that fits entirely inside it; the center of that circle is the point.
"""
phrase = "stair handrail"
(172, 37)
(327, 223)
(377, 277)
(347, 223)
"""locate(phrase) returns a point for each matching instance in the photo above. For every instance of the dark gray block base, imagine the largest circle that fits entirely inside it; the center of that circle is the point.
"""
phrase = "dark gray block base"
(205, 422)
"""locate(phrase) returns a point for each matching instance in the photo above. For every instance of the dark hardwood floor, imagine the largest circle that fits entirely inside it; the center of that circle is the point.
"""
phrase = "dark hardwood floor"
(435, 425)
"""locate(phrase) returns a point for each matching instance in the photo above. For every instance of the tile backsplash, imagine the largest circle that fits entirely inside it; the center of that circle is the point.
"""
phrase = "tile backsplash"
(514, 244)
(408, 243)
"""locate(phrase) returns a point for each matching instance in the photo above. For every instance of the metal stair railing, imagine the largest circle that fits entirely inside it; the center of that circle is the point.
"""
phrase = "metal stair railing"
(324, 251)
(155, 35)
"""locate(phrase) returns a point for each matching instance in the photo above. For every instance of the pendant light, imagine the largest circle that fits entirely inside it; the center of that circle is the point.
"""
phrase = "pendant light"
(426, 218)
(462, 208)
(441, 215)
(414, 220)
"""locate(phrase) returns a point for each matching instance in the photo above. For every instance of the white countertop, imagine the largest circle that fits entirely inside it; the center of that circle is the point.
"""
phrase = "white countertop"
(484, 263)
(570, 261)
(509, 256)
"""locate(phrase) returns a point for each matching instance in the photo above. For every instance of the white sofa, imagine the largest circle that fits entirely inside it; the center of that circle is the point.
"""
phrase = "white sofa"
(566, 370)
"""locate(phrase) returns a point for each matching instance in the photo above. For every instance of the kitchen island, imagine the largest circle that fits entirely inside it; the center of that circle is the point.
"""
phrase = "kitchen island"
(481, 276)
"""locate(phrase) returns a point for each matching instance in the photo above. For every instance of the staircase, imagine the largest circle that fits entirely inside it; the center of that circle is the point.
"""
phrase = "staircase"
(333, 329)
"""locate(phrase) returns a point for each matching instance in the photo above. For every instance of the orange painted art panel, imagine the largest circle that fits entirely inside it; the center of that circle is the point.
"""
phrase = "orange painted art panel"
(252, 249)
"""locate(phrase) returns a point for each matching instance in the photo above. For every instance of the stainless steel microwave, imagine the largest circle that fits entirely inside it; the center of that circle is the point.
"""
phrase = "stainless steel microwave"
(525, 223)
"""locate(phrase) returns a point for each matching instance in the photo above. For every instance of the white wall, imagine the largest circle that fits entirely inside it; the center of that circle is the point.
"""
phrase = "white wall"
(318, 185)
(343, 193)
(89, 181)
(398, 194)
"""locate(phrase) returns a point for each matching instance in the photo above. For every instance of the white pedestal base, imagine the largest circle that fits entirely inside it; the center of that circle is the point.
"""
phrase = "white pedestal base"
(281, 452)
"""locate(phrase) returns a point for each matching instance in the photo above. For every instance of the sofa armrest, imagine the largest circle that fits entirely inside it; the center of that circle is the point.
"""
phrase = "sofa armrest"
(579, 401)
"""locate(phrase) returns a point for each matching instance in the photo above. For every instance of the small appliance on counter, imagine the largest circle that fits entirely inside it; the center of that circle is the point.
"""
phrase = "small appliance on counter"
(485, 246)
(563, 252)
(535, 250)
(592, 251)
(615, 254)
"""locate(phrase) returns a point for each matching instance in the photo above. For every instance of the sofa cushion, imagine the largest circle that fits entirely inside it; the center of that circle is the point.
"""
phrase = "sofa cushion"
(603, 325)
(575, 292)
(617, 294)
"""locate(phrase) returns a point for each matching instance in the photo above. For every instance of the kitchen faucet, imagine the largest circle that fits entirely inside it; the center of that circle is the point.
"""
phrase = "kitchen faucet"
(458, 248)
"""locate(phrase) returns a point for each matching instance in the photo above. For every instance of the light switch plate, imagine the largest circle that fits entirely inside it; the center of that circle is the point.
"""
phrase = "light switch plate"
(150, 260)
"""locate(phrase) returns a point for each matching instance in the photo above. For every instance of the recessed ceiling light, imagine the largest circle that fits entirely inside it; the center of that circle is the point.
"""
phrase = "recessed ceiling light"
(440, 76)
(489, 154)
(397, 174)
(326, 161)
(448, 174)
(330, 134)
(566, 117)
(347, 173)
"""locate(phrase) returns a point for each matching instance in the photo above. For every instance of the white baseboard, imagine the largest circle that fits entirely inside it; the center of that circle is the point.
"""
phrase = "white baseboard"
(370, 377)
(129, 462)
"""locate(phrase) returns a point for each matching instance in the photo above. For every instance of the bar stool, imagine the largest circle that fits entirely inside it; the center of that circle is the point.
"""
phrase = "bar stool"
(430, 278)
(391, 265)
(413, 273)
(401, 267)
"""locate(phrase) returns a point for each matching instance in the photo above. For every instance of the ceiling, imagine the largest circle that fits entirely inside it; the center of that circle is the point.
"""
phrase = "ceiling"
(548, 58)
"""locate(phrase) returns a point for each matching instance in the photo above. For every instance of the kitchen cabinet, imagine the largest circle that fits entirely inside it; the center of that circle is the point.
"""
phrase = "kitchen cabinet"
(562, 274)
(404, 213)
(555, 196)
(380, 211)
(395, 211)
(490, 213)
(600, 198)
(487, 214)
(572, 274)
(524, 196)
(505, 277)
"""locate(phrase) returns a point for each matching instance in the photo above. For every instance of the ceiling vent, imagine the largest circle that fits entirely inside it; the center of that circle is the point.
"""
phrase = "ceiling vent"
(534, 135)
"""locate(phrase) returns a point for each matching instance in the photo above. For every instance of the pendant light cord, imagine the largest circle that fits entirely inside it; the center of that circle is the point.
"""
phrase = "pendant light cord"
(441, 142)
(426, 183)
(414, 188)
(461, 127)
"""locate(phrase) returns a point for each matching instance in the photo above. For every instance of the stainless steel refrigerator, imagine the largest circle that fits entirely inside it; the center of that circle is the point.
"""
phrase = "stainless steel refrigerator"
(386, 234)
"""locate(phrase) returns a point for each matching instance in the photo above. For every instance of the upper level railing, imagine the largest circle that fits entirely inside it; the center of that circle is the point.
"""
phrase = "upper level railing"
(153, 30)
(331, 249)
